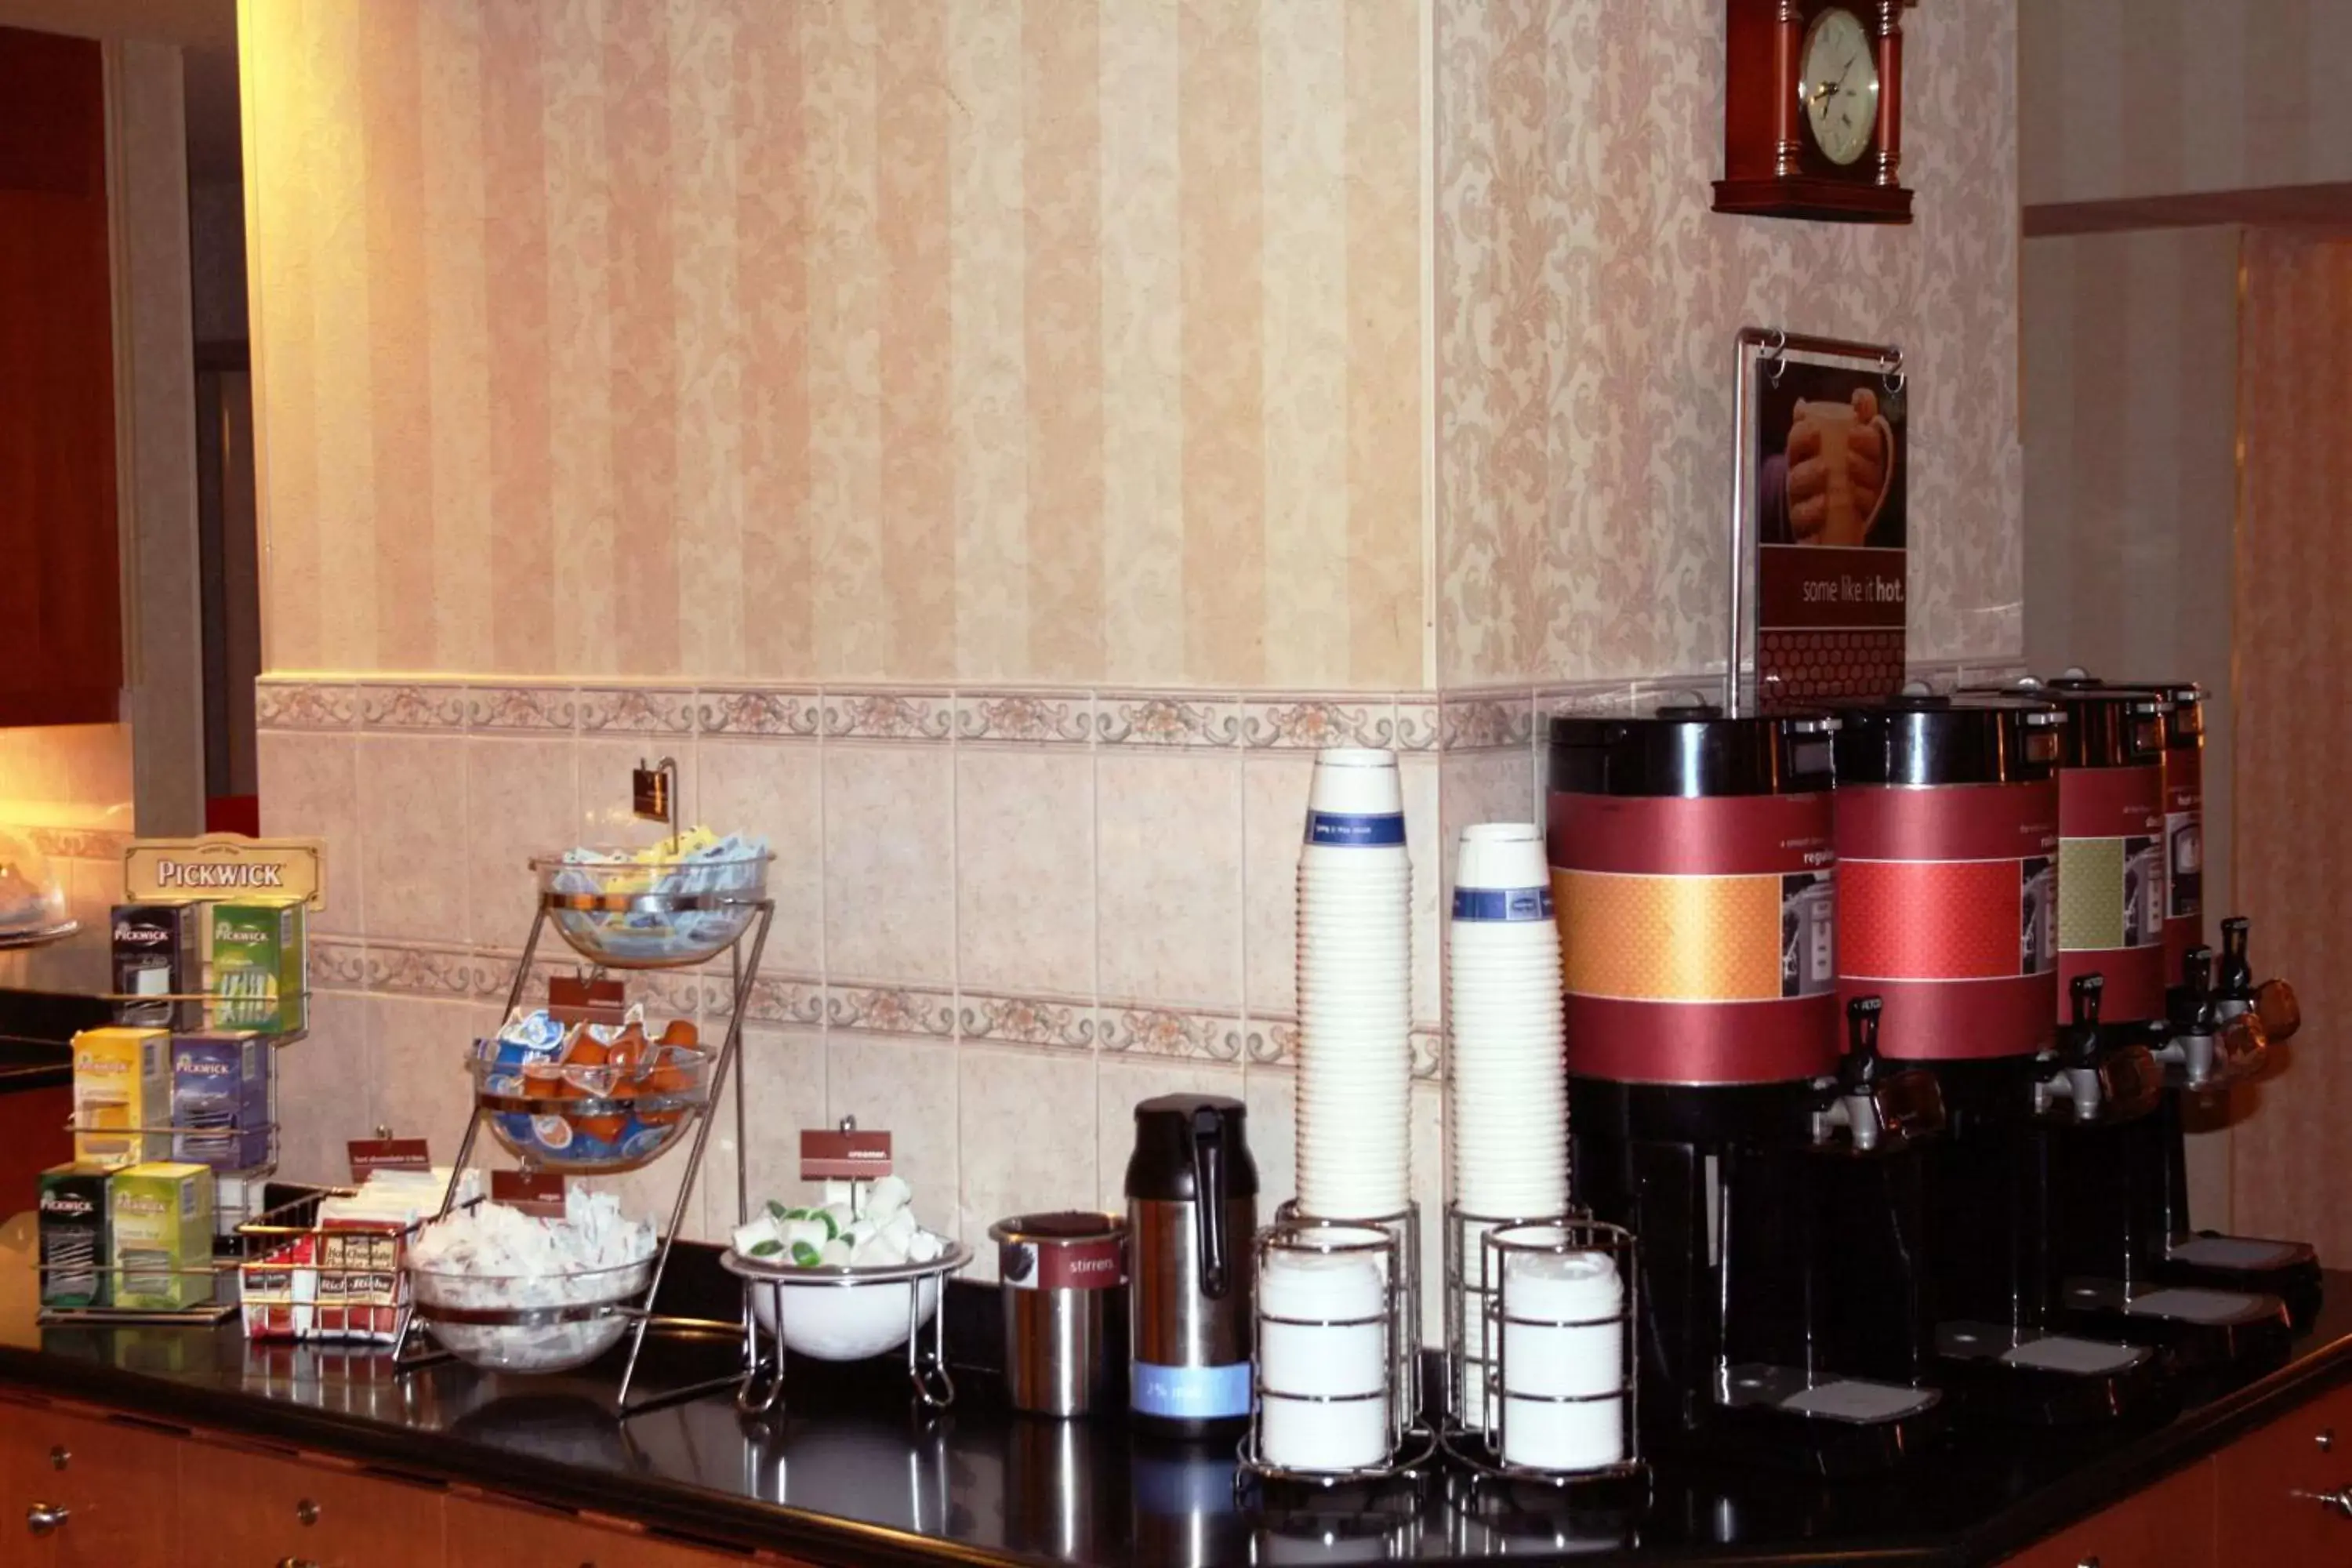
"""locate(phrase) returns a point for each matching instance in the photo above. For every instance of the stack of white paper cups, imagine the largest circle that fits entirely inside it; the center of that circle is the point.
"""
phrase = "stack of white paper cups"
(1355, 991)
(1509, 1084)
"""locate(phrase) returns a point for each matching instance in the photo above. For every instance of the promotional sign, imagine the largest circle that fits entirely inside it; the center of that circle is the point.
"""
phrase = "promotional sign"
(225, 866)
(1830, 462)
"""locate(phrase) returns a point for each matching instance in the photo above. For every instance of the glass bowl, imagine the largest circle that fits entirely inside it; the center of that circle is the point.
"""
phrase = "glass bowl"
(626, 914)
(532, 1323)
(32, 890)
(840, 1312)
(591, 1120)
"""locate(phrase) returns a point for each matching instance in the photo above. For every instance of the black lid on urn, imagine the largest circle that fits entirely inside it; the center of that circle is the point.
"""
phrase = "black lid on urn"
(1692, 750)
(2107, 726)
(1968, 738)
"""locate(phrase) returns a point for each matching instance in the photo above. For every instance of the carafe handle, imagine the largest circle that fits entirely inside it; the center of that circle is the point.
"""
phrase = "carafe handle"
(1208, 1203)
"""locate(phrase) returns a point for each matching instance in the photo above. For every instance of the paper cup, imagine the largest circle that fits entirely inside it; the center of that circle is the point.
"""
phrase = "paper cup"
(1499, 855)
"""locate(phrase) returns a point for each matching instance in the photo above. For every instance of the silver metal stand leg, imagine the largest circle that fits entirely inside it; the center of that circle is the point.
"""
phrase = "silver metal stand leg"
(729, 1071)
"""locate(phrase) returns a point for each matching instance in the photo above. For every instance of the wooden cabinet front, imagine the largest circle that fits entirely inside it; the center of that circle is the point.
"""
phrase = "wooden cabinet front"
(81, 1493)
(61, 590)
(2169, 1525)
(498, 1535)
(264, 1509)
(2286, 1490)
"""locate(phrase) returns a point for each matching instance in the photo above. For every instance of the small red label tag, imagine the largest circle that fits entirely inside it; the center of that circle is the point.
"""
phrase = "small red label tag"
(533, 1192)
(1098, 1264)
(371, 1154)
(831, 1157)
(574, 1000)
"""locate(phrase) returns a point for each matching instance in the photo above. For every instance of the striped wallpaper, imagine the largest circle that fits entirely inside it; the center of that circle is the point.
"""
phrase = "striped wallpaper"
(2293, 646)
(2148, 97)
(977, 340)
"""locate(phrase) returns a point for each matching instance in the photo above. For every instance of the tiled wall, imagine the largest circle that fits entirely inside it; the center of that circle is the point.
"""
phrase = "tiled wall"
(979, 339)
(1585, 301)
(2293, 646)
(2155, 98)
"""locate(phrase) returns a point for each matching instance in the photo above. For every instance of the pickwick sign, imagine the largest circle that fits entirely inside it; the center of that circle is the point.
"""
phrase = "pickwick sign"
(1831, 533)
(224, 865)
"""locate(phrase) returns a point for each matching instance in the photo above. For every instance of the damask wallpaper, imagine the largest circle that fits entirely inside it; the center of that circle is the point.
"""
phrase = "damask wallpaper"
(1586, 299)
(1071, 339)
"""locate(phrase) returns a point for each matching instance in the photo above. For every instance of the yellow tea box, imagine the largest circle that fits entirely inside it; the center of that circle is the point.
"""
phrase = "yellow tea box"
(163, 1221)
(122, 1080)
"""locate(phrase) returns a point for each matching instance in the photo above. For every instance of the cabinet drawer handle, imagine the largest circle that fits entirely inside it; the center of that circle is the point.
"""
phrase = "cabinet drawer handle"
(59, 1458)
(45, 1518)
(296, 1563)
(2337, 1502)
(306, 1511)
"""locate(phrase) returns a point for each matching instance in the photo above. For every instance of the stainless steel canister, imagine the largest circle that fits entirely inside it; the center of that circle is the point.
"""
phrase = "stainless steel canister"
(1062, 1275)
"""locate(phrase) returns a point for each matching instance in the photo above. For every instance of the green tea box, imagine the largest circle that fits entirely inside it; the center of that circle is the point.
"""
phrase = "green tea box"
(258, 966)
(73, 1235)
(162, 1220)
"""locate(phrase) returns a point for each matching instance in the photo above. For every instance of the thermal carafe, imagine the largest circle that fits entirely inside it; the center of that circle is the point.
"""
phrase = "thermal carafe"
(1192, 1209)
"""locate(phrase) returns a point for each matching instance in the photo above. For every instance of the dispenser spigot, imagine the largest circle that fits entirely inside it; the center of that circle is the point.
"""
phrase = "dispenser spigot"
(1872, 1105)
(2273, 1001)
(2203, 1047)
(2102, 1074)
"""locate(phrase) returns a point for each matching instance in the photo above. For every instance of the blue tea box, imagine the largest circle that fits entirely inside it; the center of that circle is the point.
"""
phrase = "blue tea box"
(220, 1099)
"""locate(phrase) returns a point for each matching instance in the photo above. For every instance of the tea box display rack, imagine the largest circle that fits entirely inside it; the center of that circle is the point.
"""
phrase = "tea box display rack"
(625, 915)
(201, 874)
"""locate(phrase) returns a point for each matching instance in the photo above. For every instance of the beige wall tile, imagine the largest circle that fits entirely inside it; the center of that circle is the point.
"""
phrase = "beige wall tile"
(1272, 1095)
(1025, 871)
(324, 1091)
(774, 789)
(785, 1076)
(1426, 847)
(1274, 812)
(418, 1086)
(1119, 1086)
(606, 764)
(309, 789)
(1028, 1141)
(889, 863)
(413, 846)
(1169, 877)
(909, 1088)
(520, 801)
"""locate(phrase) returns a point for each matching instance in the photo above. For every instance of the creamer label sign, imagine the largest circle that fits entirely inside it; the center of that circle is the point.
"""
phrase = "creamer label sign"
(166, 871)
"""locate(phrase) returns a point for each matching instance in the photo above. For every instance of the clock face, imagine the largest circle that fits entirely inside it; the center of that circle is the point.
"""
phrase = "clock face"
(1839, 85)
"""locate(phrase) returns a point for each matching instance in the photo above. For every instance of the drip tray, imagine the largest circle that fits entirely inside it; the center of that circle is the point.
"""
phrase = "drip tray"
(2037, 1352)
(1853, 1400)
(2235, 1252)
(2212, 1309)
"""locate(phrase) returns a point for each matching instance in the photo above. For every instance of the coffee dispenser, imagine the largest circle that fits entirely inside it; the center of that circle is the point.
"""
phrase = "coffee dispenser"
(2217, 1029)
(1192, 1196)
(1693, 877)
(1948, 840)
(2102, 1153)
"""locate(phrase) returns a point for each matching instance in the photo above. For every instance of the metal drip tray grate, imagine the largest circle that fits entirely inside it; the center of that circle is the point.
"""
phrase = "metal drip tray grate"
(2234, 1252)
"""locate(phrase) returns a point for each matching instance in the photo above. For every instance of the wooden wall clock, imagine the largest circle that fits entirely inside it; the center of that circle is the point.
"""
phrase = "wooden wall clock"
(1812, 110)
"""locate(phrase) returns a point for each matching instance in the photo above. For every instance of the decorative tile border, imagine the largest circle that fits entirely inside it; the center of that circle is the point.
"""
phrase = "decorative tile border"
(413, 707)
(1145, 718)
(890, 1010)
(79, 843)
(636, 710)
(1486, 721)
(775, 999)
(338, 965)
(1417, 724)
(1310, 723)
(1142, 1030)
(519, 707)
(1273, 1043)
(781, 713)
(889, 715)
(304, 705)
(443, 973)
(1034, 717)
(1029, 1021)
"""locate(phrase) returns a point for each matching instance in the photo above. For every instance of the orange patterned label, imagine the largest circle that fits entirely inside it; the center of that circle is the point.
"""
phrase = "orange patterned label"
(1670, 939)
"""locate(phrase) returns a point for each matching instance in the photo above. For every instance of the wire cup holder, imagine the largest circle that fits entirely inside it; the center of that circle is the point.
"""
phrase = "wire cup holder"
(1560, 1296)
(1327, 1292)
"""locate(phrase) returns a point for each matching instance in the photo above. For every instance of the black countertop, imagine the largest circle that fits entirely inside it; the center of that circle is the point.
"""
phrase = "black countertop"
(852, 1475)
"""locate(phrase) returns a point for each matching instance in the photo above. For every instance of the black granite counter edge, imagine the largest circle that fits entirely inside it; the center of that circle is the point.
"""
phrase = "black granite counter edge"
(689, 1514)
(2141, 1463)
(715, 1519)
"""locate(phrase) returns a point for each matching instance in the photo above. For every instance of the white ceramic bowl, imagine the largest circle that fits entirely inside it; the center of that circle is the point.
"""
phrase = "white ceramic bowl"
(837, 1314)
